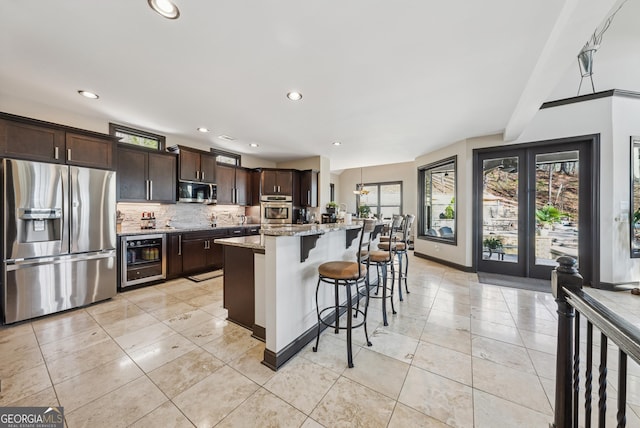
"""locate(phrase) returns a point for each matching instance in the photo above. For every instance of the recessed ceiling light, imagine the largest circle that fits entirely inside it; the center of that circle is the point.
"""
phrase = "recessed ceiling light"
(165, 8)
(254, 145)
(294, 96)
(201, 129)
(337, 143)
(88, 94)
(226, 137)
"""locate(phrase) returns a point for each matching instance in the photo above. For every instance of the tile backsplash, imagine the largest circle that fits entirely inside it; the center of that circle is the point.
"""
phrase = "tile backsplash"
(187, 215)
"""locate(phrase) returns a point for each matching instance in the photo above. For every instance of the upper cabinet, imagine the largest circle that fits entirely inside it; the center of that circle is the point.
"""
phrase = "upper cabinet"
(277, 182)
(31, 139)
(146, 176)
(92, 152)
(197, 165)
(233, 185)
(308, 188)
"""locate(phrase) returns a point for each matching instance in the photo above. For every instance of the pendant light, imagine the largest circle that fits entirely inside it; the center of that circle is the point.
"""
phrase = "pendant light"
(360, 190)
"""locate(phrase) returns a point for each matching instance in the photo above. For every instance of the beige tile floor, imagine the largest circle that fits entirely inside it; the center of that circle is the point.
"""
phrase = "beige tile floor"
(457, 354)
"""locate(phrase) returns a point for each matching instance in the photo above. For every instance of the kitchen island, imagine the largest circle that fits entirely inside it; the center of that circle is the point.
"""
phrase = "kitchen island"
(285, 272)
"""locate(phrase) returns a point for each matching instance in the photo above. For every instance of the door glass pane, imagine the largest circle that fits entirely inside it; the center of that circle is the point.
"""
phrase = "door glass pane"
(500, 210)
(556, 207)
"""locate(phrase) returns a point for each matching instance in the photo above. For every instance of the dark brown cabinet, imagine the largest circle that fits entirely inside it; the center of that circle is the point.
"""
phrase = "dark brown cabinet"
(199, 251)
(197, 165)
(146, 176)
(174, 255)
(31, 139)
(91, 152)
(233, 185)
(309, 188)
(239, 285)
(276, 182)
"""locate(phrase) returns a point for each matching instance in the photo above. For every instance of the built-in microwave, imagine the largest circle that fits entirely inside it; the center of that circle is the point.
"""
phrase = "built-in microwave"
(190, 191)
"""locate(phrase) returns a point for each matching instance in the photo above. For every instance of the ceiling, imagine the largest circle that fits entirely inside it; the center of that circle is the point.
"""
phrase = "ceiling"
(389, 80)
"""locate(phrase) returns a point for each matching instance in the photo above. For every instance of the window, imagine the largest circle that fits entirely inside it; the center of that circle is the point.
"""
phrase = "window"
(383, 200)
(437, 182)
(227, 158)
(137, 137)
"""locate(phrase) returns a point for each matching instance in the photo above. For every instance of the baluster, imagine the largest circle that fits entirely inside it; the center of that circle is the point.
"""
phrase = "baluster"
(576, 369)
(622, 390)
(588, 377)
(602, 391)
(564, 276)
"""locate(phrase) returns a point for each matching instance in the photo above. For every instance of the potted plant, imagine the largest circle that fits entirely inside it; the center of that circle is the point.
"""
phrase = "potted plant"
(547, 215)
(331, 207)
(364, 211)
(493, 244)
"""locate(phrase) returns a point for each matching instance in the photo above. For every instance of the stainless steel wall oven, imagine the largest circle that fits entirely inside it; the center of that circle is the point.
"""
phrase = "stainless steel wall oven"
(276, 210)
(143, 259)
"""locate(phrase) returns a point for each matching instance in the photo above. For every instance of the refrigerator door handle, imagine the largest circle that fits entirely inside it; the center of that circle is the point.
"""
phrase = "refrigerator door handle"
(17, 264)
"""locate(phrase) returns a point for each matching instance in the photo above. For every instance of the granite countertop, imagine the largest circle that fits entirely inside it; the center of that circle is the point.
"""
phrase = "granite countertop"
(255, 242)
(305, 229)
(135, 230)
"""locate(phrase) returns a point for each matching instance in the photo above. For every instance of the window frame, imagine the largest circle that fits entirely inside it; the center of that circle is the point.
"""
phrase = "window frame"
(161, 139)
(235, 156)
(423, 217)
(378, 185)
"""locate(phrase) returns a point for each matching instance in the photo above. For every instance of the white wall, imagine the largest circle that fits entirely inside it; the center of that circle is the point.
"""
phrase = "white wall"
(615, 119)
(405, 172)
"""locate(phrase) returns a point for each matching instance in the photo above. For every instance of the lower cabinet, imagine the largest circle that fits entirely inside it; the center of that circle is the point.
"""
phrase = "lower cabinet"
(174, 255)
(192, 252)
(239, 295)
(200, 253)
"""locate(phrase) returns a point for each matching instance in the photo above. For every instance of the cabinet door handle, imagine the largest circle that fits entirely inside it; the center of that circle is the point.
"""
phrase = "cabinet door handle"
(179, 245)
(309, 197)
(197, 175)
(150, 190)
(202, 178)
(146, 190)
(56, 153)
(68, 154)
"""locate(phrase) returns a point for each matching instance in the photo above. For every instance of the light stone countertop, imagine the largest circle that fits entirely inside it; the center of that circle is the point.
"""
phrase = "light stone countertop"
(255, 242)
(133, 230)
(305, 229)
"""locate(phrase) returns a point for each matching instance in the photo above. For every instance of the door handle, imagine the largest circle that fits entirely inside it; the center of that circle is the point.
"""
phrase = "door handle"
(197, 175)
(68, 154)
(309, 197)
(150, 190)
(179, 245)
(146, 189)
(202, 176)
(56, 154)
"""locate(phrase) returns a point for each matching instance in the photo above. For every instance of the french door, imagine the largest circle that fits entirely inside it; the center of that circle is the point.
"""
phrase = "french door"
(535, 203)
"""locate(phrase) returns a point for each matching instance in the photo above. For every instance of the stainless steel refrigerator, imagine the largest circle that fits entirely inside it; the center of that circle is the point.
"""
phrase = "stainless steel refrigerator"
(59, 234)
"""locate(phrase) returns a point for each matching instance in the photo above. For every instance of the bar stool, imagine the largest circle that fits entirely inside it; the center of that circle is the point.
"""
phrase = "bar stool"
(396, 224)
(383, 260)
(399, 246)
(347, 274)
(402, 250)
